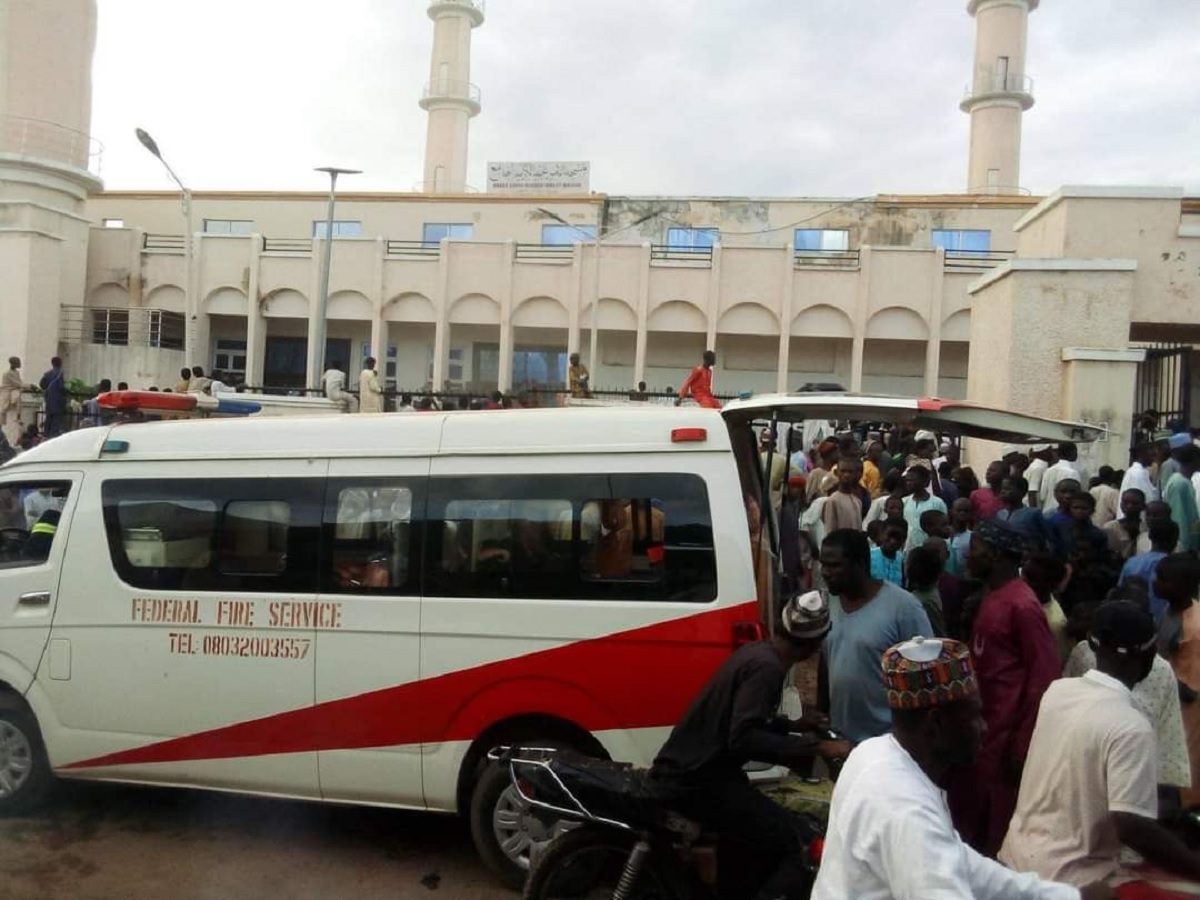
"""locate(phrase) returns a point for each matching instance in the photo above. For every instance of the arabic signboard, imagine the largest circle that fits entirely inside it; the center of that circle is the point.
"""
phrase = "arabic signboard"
(539, 177)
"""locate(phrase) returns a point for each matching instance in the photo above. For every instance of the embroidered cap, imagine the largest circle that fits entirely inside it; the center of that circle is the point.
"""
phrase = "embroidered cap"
(928, 672)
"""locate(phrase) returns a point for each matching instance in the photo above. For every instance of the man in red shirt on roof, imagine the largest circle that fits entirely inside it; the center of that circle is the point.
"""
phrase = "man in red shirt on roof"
(698, 385)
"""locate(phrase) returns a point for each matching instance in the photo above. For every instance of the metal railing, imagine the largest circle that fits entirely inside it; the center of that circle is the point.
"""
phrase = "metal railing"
(122, 327)
(449, 89)
(989, 82)
(163, 243)
(959, 260)
(413, 249)
(557, 253)
(837, 259)
(287, 245)
(39, 139)
(668, 253)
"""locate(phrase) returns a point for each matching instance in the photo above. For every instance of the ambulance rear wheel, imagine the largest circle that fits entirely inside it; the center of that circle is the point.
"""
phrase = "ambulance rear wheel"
(504, 830)
(24, 769)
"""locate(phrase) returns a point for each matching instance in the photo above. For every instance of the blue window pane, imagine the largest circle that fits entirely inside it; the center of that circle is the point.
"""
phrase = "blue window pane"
(433, 232)
(693, 237)
(341, 228)
(565, 235)
(963, 240)
(829, 239)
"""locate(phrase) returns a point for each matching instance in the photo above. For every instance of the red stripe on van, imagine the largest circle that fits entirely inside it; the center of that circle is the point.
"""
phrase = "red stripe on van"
(641, 678)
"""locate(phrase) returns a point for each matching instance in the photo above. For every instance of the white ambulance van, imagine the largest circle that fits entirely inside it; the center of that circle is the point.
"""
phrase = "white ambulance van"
(356, 609)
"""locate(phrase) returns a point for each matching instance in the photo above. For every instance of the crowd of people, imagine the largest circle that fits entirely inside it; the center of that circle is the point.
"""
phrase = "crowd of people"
(1018, 571)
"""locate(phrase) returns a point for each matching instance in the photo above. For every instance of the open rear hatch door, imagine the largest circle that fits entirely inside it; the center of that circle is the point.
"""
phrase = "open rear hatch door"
(946, 417)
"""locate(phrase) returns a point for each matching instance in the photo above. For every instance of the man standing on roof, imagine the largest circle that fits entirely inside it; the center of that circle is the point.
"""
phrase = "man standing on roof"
(11, 386)
(578, 377)
(370, 393)
(698, 385)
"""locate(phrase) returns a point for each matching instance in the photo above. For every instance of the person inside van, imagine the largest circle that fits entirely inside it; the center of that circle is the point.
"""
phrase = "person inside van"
(734, 720)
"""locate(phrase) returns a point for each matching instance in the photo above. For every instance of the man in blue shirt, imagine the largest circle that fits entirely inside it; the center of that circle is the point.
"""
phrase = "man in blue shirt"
(54, 396)
(1164, 535)
(868, 616)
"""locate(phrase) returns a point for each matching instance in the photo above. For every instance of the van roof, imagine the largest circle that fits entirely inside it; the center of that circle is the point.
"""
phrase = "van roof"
(626, 429)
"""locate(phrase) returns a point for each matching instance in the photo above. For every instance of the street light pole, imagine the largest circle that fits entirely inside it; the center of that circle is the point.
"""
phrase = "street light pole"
(189, 313)
(314, 377)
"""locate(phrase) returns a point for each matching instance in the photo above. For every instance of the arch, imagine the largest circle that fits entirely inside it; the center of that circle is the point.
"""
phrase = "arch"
(350, 305)
(409, 307)
(822, 320)
(748, 318)
(677, 315)
(540, 312)
(225, 301)
(285, 303)
(957, 327)
(169, 297)
(614, 315)
(896, 323)
(108, 294)
(474, 309)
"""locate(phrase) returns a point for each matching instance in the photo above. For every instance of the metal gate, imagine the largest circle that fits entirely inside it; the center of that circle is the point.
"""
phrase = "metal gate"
(1164, 382)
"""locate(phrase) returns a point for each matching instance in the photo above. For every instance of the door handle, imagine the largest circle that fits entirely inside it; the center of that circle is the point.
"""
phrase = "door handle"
(35, 598)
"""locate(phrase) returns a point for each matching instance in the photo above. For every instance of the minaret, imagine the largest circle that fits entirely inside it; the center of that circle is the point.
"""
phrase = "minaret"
(48, 162)
(450, 98)
(999, 94)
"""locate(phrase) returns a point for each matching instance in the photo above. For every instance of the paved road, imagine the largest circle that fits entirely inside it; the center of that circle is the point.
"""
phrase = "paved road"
(109, 842)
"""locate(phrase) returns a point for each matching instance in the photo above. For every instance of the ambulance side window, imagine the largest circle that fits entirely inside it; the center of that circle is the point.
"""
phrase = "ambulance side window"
(223, 534)
(368, 537)
(571, 537)
(29, 513)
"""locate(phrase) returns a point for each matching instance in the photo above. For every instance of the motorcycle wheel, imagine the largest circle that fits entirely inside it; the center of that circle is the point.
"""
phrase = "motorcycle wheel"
(586, 864)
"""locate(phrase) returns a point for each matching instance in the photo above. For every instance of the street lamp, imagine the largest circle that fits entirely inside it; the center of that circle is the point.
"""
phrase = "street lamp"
(189, 314)
(596, 240)
(314, 378)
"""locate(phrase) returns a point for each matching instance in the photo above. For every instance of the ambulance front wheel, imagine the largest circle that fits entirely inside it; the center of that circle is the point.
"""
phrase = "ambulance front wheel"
(24, 769)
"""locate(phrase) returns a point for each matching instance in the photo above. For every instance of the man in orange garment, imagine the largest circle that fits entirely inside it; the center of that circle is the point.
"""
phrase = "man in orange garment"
(698, 385)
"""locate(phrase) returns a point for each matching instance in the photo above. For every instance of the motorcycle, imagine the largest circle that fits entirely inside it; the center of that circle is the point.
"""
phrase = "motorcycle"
(616, 838)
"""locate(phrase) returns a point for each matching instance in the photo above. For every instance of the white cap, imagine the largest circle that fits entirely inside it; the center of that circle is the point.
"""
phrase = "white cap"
(925, 435)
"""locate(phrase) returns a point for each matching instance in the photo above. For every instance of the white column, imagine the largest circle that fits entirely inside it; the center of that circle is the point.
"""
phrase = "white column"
(379, 328)
(575, 302)
(506, 310)
(203, 343)
(785, 317)
(441, 304)
(861, 299)
(714, 299)
(256, 324)
(933, 348)
(643, 315)
(315, 358)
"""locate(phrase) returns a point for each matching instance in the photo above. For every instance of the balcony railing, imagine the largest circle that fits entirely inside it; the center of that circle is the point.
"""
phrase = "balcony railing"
(449, 89)
(668, 254)
(413, 249)
(38, 139)
(989, 83)
(837, 259)
(169, 244)
(545, 253)
(288, 246)
(121, 327)
(974, 260)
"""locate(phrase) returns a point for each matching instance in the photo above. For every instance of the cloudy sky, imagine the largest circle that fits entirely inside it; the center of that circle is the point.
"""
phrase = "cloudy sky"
(727, 97)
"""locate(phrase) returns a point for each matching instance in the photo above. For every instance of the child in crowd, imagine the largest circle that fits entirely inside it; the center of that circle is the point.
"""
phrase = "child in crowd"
(887, 560)
(923, 566)
(962, 520)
